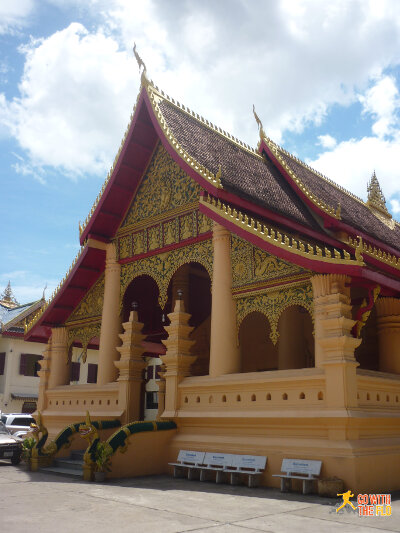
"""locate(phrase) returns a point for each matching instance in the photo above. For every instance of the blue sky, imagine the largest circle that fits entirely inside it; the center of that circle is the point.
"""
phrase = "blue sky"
(324, 77)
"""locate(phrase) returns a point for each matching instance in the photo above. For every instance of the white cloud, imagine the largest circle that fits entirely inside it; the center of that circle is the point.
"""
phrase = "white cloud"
(217, 57)
(14, 14)
(76, 95)
(351, 164)
(27, 291)
(381, 101)
(395, 205)
(327, 141)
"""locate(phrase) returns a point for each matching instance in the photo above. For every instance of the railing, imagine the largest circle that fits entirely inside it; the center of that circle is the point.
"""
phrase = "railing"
(83, 397)
(378, 390)
(253, 392)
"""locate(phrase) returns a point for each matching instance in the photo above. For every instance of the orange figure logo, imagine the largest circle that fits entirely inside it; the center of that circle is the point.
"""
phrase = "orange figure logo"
(346, 500)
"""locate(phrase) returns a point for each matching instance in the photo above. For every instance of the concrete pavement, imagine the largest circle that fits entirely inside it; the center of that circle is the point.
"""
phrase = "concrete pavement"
(45, 503)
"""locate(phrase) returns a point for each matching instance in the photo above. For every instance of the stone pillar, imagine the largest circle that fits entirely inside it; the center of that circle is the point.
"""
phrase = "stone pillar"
(388, 316)
(291, 352)
(178, 358)
(110, 320)
(131, 366)
(224, 352)
(44, 375)
(334, 343)
(60, 368)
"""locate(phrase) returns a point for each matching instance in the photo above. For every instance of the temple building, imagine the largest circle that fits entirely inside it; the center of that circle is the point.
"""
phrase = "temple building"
(238, 292)
(19, 360)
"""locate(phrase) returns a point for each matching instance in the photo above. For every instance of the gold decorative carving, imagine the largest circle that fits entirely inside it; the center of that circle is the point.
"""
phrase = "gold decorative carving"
(204, 223)
(92, 303)
(84, 334)
(125, 247)
(170, 232)
(272, 305)
(154, 238)
(186, 227)
(139, 243)
(164, 187)
(250, 264)
(163, 266)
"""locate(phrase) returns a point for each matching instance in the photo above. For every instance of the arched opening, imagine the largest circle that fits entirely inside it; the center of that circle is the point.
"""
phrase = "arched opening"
(296, 341)
(194, 282)
(143, 291)
(256, 348)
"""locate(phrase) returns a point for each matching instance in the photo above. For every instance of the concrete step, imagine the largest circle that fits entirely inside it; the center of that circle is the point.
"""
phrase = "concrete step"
(58, 470)
(68, 463)
(77, 455)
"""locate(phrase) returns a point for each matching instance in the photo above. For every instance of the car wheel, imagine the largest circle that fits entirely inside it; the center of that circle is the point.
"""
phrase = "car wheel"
(15, 460)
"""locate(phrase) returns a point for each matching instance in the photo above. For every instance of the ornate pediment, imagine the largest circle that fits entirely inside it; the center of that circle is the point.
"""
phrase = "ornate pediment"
(251, 264)
(92, 304)
(164, 189)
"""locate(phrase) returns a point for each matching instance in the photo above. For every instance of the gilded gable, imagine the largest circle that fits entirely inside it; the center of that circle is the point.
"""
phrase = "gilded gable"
(92, 304)
(251, 264)
(164, 188)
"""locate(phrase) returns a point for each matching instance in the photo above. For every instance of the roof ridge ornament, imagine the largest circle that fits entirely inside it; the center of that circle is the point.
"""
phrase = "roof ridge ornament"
(259, 124)
(7, 299)
(377, 203)
(141, 64)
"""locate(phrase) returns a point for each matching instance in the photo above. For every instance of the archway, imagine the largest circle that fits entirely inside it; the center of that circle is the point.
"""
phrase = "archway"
(296, 342)
(256, 348)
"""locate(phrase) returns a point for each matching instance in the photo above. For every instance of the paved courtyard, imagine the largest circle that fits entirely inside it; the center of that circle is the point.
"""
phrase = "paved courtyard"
(47, 504)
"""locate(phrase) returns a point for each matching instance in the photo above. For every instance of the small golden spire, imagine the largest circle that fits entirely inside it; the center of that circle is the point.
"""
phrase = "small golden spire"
(259, 124)
(375, 195)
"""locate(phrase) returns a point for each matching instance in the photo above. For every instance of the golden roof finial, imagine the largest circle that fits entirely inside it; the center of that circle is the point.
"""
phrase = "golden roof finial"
(259, 124)
(375, 195)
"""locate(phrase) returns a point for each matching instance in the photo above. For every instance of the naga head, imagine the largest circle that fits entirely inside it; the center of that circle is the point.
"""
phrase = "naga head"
(87, 430)
(38, 427)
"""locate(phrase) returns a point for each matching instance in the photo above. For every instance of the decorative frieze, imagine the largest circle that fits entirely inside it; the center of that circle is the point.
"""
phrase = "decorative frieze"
(162, 267)
(273, 303)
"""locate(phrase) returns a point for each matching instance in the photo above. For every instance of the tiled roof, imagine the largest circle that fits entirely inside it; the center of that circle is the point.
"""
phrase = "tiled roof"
(243, 173)
(354, 212)
(6, 314)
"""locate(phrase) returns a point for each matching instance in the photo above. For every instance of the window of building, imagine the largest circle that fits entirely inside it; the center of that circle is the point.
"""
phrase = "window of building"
(29, 407)
(75, 371)
(151, 400)
(29, 364)
(2, 362)
(157, 369)
(92, 373)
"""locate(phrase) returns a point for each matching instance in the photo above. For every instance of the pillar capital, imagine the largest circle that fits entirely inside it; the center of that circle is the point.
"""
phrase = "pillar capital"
(388, 307)
(220, 232)
(329, 284)
(59, 336)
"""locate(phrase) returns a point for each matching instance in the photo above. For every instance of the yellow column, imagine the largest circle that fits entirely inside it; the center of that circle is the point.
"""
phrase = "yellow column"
(224, 352)
(334, 343)
(131, 367)
(388, 314)
(110, 320)
(44, 374)
(178, 358)
(60, 371)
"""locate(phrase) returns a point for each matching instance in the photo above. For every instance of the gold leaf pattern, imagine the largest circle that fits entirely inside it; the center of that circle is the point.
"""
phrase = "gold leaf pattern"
(164, 187)
(163, 266)
(92, 303)
(272, 304)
